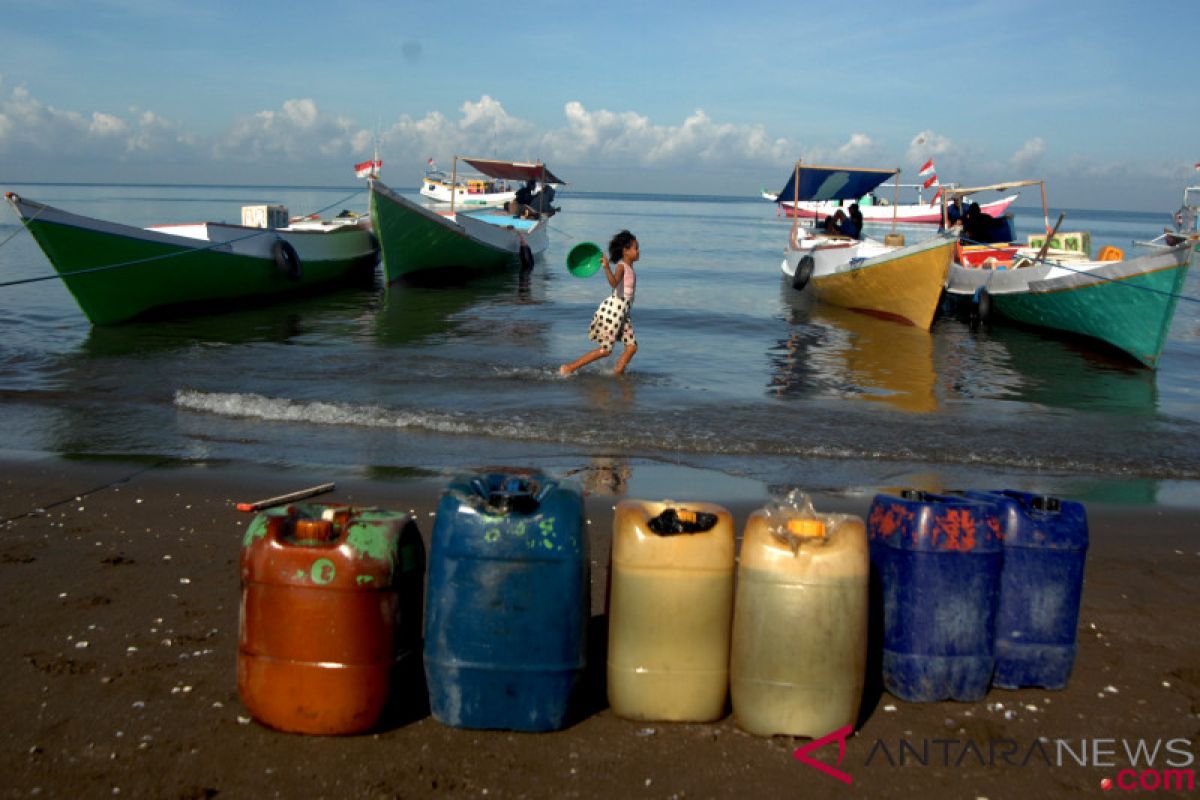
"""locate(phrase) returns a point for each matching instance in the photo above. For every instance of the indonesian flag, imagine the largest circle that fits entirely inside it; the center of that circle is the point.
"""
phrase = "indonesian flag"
(926, 168)
(1198, 166)
(368, 169)
(936, 197)
(931, 181)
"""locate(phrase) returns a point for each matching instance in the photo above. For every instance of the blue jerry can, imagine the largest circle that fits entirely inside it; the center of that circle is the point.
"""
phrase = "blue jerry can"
(936, 562)
(508, 602)
(1045, 545)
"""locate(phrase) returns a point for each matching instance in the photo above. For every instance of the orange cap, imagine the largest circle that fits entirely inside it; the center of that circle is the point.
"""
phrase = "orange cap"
(806, 527)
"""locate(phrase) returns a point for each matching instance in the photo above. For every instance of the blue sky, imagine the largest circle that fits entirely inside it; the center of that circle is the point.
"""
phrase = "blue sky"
(1099, 98)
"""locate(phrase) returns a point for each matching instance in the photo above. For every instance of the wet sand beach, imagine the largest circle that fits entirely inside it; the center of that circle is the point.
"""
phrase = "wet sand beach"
(121, 587)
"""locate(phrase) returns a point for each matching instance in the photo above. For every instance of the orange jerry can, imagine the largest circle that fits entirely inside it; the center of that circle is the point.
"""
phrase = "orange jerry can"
(330, 616)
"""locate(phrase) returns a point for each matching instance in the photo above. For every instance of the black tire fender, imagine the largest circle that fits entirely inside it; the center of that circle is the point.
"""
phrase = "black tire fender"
(804, 271)
(287, 260)
(525, 256)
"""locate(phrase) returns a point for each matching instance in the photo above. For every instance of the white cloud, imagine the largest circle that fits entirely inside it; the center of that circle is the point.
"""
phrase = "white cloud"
(631, 138)
(929, 144)
(1028, 156)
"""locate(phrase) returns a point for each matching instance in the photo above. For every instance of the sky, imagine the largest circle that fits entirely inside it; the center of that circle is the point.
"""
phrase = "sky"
(1098, 98)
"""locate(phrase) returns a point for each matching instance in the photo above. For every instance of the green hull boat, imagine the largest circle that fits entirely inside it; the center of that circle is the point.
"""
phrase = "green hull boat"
(1128, 304)
(119, 272)
(415, 239)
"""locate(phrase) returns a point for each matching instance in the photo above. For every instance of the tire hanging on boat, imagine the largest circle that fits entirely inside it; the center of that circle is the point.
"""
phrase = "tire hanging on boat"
(804, 271)
(287, 261)
(525, 256)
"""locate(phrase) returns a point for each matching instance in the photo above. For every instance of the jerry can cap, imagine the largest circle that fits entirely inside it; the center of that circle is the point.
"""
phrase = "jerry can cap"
(806, 527)
(314, 530)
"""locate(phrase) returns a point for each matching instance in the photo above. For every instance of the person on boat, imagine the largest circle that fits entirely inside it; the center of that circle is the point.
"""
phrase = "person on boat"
(524, 195)
(854, 225)
(543, 203)
(954, 212)
(977, 226)
(611, 321)
(834, 222)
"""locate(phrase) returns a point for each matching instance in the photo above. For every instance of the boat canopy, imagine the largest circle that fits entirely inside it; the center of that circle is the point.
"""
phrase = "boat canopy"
(514, 170)
(832, 183)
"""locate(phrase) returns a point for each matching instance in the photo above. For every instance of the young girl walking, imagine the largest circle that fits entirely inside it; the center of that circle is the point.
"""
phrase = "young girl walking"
(611, 321)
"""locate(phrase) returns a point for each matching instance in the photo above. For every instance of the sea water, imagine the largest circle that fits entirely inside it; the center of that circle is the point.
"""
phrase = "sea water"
(735, 372)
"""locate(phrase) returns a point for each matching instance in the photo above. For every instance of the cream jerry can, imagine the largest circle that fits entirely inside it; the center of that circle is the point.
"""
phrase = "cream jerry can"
(800, 621)
(669, 611)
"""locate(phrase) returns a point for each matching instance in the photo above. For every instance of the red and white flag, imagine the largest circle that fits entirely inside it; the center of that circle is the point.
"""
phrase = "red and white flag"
(931, 181)
(936, 197)
(368, 169)
(926, 168)
(1198, 166)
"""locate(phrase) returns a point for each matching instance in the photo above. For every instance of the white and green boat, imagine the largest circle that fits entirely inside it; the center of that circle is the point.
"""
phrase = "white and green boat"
(118, 272)
(1128, 304)
(415, 240)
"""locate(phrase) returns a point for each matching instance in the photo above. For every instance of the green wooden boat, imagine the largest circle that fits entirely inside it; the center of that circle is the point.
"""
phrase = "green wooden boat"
(1129, 304)
(417, 240)
(118, 272)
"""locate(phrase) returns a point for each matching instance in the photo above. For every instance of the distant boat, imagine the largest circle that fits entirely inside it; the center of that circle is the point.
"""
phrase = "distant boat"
(1127, 303)
(465, 191)
(415, 239)
(117, 272)
(482, 189)
(885, 278)
(878, 210)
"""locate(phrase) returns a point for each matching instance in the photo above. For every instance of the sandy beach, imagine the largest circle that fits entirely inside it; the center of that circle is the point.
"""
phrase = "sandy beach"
(122, 586)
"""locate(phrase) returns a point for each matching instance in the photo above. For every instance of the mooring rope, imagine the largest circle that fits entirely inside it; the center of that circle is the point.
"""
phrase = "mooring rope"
(148, 259)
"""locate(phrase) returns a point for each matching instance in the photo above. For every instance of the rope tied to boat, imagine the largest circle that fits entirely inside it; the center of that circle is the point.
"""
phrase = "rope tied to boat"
(136, 262)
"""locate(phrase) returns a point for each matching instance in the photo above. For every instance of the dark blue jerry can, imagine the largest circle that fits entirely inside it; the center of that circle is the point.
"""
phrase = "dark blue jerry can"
(935, 562)
(1045, 545)
(508, 603)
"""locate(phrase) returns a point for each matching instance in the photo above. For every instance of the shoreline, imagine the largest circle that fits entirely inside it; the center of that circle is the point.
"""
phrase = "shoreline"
(123, 589)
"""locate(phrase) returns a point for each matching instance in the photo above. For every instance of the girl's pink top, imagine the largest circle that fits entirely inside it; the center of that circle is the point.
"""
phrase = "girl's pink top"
(628, 283)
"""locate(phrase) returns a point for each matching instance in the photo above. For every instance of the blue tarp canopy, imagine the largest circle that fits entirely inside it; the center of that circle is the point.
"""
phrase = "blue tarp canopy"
(832, 183)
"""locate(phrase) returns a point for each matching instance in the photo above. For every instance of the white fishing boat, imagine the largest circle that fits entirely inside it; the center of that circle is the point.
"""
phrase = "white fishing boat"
(482, 188)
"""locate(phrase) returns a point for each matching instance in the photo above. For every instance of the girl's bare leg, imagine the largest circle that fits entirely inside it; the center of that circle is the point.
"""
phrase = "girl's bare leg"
(584, 360)
(623, 361)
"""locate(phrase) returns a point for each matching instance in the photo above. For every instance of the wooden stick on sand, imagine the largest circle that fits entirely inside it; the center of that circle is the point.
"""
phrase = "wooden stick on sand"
(285, 498)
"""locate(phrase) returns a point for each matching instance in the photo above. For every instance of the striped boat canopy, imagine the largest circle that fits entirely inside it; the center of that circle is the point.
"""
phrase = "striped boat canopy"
(832, 183)
(514, 170)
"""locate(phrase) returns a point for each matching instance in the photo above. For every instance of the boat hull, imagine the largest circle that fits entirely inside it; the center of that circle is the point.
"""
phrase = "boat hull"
(923, 213)
(1127, 304)
(416, 240)
(118, 272)
(901, 283)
